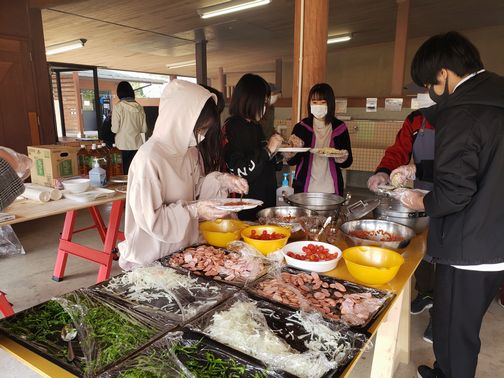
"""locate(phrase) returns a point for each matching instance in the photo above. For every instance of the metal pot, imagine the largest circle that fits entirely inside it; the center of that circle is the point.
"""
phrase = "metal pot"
(325, 204)
(392, 210)
(280, 216)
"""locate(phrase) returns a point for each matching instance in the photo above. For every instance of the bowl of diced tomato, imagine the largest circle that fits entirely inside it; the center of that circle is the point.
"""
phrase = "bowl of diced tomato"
(312, 256)
(266, 238)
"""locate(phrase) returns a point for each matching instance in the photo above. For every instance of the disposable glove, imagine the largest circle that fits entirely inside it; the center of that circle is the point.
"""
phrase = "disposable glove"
(206, 210)
(295, 141)
(274, 143)
(411, 198)
(400, 175)
(19, 162)
(380, 178)
(233, 184)
(341, 158)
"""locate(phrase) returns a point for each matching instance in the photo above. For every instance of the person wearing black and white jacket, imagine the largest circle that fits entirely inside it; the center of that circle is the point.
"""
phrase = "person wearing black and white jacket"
(14, 168)
(466, 205)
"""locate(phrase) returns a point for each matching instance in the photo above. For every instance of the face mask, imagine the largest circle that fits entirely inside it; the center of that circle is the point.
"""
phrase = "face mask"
(318, 111)
(273, 98)
(261, 115)
(439, 98)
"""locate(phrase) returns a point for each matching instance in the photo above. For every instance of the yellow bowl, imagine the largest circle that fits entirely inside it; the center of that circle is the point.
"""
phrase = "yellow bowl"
(220, 232)
(372, 265)
(266, 246)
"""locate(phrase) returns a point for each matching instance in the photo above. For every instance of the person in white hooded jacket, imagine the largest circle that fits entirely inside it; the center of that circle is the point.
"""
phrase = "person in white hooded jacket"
(167, 191)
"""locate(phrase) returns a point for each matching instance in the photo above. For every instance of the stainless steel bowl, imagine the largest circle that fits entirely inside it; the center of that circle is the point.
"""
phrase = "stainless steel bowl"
(395, 229)
(326, 204)
(279, 212)
(392, 210)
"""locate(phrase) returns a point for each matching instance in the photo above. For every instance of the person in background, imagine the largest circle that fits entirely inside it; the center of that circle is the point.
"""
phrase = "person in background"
(268, 121)
(320, 129)
(105, 133)
(415, 138)
(247, 153)
(466, 206)
(14, 169)
(168, 191)
(128, 123)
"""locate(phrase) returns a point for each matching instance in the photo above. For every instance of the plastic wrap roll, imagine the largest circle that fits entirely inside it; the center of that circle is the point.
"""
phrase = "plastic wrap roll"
(37, 194)
(54, 193)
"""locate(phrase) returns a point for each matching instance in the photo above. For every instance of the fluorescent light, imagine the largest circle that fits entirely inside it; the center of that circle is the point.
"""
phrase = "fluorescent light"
(339, 38)
(230, 7)
(65, 46)
(181, 64)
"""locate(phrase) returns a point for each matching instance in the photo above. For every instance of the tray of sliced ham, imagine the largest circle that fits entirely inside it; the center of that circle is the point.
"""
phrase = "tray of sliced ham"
(337, 300)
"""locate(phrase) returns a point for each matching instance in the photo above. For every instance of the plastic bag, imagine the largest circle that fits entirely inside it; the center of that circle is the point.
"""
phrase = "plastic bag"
(107, 331)
(335, 299)
(9, 242)
(167, 296)
(299, 343)
(19, 162)
(239, 264)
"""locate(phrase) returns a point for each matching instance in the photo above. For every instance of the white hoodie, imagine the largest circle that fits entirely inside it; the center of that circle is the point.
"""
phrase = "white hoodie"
(164, 175)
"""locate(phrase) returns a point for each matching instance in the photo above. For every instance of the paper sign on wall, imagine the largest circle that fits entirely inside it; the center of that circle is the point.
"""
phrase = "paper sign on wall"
(371, 104)
(341, 105)
(393, 104)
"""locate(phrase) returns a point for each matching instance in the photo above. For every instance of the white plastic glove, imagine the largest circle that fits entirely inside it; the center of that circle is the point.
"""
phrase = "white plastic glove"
(206, 210)
(341, 158)
(274, 143)
(233, 184)
(380, 178)
(400, 175)
(296, 141)
(19, 162)
(410, 198)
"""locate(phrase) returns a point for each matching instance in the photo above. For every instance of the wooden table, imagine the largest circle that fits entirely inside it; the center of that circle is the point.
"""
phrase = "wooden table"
(26, 210)
(392, 328)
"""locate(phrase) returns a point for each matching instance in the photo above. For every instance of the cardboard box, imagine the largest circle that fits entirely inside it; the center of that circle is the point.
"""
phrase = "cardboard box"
(52, 162)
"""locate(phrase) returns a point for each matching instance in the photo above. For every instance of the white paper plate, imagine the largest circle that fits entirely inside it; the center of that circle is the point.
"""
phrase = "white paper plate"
(319, 152)
(248, 203)
(293, 149)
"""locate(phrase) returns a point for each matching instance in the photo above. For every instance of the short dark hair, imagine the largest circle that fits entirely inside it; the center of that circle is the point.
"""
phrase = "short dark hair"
(221, 103)
(323, 91)
(124, 90)
(249, 97)
(451, 51)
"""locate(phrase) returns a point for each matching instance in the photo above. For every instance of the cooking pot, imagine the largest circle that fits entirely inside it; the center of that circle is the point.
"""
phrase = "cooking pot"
(325, 204)
(393, 210)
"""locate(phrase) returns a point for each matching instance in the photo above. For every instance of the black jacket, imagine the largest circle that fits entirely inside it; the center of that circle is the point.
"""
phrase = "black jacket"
(466, 205)
(246, 156)
(340, 139)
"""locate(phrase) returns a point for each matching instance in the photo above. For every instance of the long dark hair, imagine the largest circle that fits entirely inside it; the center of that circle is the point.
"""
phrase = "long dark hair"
(323, 91)
(210, 147)
(125, 90)
(249, 97)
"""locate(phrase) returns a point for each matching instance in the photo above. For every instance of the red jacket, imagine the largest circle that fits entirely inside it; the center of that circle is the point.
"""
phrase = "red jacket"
(400, 152)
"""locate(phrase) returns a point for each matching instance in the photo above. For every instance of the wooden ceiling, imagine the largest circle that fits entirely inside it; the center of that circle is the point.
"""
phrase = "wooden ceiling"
(147, 35)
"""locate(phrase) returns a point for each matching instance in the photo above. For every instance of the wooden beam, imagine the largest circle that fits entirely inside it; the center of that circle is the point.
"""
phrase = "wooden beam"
(278, 74)
(401, 40)
(201, 62)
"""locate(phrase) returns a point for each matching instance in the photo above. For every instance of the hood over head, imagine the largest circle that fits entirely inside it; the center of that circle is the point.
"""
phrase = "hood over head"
(179, 108)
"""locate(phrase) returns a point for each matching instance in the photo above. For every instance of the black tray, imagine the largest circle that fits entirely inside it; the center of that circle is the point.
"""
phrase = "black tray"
(205, 344)
(350, 286)
(165, 261)
(276, 315)
(165, 313)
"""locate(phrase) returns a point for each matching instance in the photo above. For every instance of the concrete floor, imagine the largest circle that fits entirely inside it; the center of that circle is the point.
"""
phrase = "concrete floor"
(27, 281)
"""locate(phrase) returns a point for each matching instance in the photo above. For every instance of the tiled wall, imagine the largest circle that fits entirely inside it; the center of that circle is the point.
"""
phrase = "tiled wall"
(369, 140)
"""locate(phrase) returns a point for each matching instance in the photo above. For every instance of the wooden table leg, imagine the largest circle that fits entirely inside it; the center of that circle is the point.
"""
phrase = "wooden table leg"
(66, 235)
(5, 306)
(392, 338)
(98, 221)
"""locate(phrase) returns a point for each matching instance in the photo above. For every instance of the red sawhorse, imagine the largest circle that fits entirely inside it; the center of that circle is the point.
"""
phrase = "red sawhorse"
(109, 236)
(5, 306)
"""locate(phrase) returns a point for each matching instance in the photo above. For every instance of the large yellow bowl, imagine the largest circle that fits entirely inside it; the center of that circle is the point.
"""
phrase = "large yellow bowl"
(220, 232)
(266, 246)
(372, 265)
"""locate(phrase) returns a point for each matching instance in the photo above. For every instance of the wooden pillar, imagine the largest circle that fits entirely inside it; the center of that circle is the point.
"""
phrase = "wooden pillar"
(278, 73)
(401, 39)
(310, 51)
(221, 81)
(201, 62)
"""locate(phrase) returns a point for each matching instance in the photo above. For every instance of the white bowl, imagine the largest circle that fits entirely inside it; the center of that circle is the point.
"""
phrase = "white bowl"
(312, 266)
(76, 185)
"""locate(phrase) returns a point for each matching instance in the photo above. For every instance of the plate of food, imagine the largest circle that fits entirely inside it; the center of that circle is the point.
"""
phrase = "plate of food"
(293, 149)
(237, 204)
(328, 152)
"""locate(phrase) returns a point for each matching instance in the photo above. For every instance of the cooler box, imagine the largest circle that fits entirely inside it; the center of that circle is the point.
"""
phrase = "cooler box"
(52, 162)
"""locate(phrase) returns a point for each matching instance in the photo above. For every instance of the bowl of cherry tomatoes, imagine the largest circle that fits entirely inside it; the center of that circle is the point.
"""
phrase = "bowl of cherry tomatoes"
(312, 256)
(266, 238)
